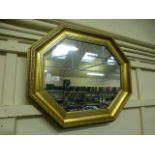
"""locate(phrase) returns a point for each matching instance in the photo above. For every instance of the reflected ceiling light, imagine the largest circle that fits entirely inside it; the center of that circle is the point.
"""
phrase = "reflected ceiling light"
(89, 57)
(61, 51)
(111, 61)
(95, 74)
(45, 71)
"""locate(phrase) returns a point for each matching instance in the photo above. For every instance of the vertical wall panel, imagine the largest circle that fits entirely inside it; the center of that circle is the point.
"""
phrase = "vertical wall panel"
(148, 117)
(134, 94)
(9, 81)
(7, 126)
(134, 85)
(147, 84)
(2, 71)
(21, 78)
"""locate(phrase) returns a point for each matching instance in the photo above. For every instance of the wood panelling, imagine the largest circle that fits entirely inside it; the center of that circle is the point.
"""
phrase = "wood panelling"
(2, 71)
(21, 80)
(7, 126)
(10, 79)
(147, 84)
(148, 117)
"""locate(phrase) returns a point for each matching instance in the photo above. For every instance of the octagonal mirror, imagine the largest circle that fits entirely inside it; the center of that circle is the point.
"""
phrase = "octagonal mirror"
(78, 77)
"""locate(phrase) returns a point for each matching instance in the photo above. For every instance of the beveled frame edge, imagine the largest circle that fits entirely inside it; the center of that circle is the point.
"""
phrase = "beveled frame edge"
(67, 119)
(31, 73)
(126, 85)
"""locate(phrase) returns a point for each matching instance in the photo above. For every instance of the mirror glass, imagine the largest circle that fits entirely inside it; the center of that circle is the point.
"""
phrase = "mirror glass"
(81, 75)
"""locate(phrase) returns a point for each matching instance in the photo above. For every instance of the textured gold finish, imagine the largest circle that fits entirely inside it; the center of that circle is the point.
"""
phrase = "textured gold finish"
(36, 79)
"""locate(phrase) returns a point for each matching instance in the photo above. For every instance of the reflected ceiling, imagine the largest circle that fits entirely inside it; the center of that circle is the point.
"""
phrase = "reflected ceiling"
(79, 59)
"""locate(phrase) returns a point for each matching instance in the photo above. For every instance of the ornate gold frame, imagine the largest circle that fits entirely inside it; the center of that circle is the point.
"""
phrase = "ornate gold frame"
(35, 78)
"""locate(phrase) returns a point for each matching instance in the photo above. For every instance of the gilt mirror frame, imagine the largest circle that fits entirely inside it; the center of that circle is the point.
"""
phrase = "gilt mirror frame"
(36, 80)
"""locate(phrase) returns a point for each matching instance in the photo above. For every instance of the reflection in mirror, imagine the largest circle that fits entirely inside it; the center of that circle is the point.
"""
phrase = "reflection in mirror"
(81, 75)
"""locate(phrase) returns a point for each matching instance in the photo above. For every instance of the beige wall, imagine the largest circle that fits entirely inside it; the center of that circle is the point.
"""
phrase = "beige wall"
(19, 115)
(142, 30)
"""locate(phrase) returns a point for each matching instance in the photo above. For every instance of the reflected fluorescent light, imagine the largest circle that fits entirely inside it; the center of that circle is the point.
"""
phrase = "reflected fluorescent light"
(111, 61)
(45, 71)
(89, 57)
(95, 74)
(61, 51)
(112, 58)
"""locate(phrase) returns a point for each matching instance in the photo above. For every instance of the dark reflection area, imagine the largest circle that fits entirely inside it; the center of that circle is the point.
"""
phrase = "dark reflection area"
(81, 75)
(75, 98)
